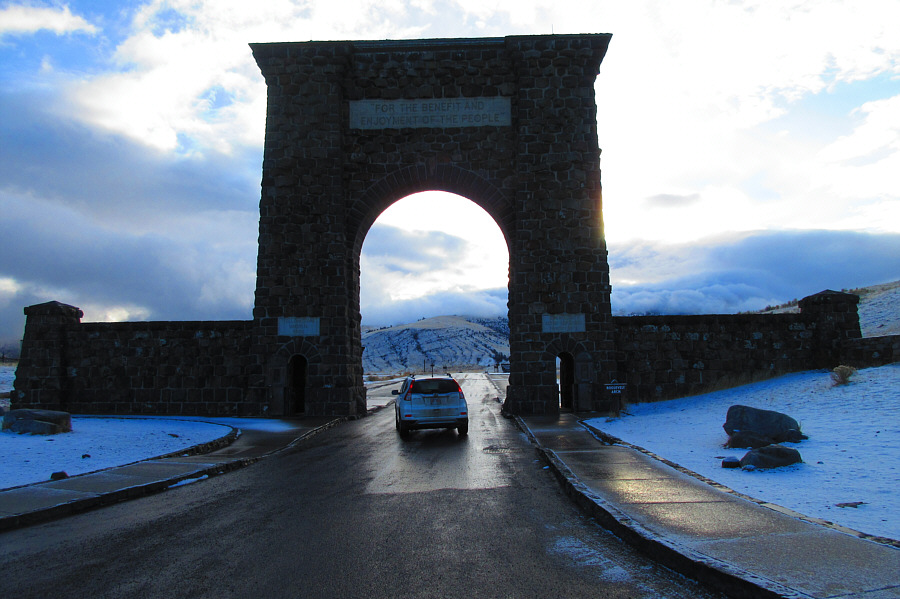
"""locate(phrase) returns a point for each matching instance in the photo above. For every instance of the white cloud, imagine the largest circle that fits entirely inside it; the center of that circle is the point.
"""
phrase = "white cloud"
(9, 287)
(875, 141)
(28, 19)
(182, 53)
(104, 313)
(687, 91)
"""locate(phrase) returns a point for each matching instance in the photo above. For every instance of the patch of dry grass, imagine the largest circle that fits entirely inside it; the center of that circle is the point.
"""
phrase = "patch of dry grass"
(841, 375)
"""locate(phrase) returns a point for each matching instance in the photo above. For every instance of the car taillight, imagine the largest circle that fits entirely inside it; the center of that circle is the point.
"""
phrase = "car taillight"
(408, 394)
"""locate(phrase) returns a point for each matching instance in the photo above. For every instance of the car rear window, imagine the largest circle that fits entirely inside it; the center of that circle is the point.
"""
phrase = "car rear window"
(431, 386)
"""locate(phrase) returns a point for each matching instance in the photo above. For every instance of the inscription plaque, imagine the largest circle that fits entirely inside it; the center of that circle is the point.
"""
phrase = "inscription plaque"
(563, 323)
(431, 113)
(298, 326)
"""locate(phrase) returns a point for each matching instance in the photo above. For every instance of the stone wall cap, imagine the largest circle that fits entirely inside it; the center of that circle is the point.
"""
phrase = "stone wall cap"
(829, 294)
(427, 43)
(53, 308)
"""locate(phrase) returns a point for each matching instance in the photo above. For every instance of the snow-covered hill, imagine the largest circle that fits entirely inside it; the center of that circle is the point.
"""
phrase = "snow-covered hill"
(451, 343)
(879, 309)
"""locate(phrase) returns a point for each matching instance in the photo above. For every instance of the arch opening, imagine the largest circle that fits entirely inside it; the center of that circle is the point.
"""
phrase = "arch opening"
(430, 261)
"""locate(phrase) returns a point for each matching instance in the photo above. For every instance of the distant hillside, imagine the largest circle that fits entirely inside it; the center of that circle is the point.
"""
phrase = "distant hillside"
(449, 342)
(879, 309)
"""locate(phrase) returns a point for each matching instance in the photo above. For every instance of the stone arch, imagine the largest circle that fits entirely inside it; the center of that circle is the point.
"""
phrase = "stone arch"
(351, 127)
(410, 180)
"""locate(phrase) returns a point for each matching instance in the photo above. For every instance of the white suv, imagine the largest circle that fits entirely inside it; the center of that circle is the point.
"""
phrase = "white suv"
(430, 402)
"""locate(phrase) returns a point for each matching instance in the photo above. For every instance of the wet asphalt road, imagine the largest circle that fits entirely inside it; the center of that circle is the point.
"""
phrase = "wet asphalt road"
(353, 512)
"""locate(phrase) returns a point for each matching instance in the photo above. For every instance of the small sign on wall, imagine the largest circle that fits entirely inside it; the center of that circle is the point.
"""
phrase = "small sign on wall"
(298, 326)
(563, 323)
(615, 388)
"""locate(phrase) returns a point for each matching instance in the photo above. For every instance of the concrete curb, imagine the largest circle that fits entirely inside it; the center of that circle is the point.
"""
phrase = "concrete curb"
(718, 575)
(85, 504)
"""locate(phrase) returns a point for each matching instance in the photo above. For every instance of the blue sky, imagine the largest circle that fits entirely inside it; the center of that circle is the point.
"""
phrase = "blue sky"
(750, 152)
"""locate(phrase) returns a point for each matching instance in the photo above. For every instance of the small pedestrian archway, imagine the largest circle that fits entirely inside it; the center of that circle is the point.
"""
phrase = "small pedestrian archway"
(298, 369)
(565, 365)
(352, 127)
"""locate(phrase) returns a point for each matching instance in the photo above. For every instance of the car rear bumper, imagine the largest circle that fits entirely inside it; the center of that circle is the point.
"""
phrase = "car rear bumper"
(414, 424)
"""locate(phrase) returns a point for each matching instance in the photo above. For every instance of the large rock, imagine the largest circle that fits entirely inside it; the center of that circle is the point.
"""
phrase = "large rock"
(771, 456)
(754, 426)
(748, 439)
(37, 422)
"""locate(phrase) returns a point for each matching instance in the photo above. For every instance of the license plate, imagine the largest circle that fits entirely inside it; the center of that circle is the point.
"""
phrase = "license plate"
(434, 401)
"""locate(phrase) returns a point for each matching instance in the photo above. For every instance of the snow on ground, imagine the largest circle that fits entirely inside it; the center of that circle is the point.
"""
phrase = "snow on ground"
(7, 377)
(851, 454)
(878, 313)
(96, 444)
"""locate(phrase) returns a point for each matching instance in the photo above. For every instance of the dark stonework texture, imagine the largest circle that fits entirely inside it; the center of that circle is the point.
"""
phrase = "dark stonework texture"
(191, 368)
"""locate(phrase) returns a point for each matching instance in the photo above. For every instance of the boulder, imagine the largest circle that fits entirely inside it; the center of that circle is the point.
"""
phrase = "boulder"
(748, 439)
(37, 422)
(731, 462)
(771, 456)
(762, 423)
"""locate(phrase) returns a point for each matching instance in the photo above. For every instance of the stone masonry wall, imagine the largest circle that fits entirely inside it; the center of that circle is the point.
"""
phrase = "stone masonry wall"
(206, 368)
(190, 368)
(872, 351)
(663, 357)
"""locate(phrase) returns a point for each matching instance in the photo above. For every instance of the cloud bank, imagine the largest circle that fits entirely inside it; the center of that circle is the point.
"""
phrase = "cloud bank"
(748, 273)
